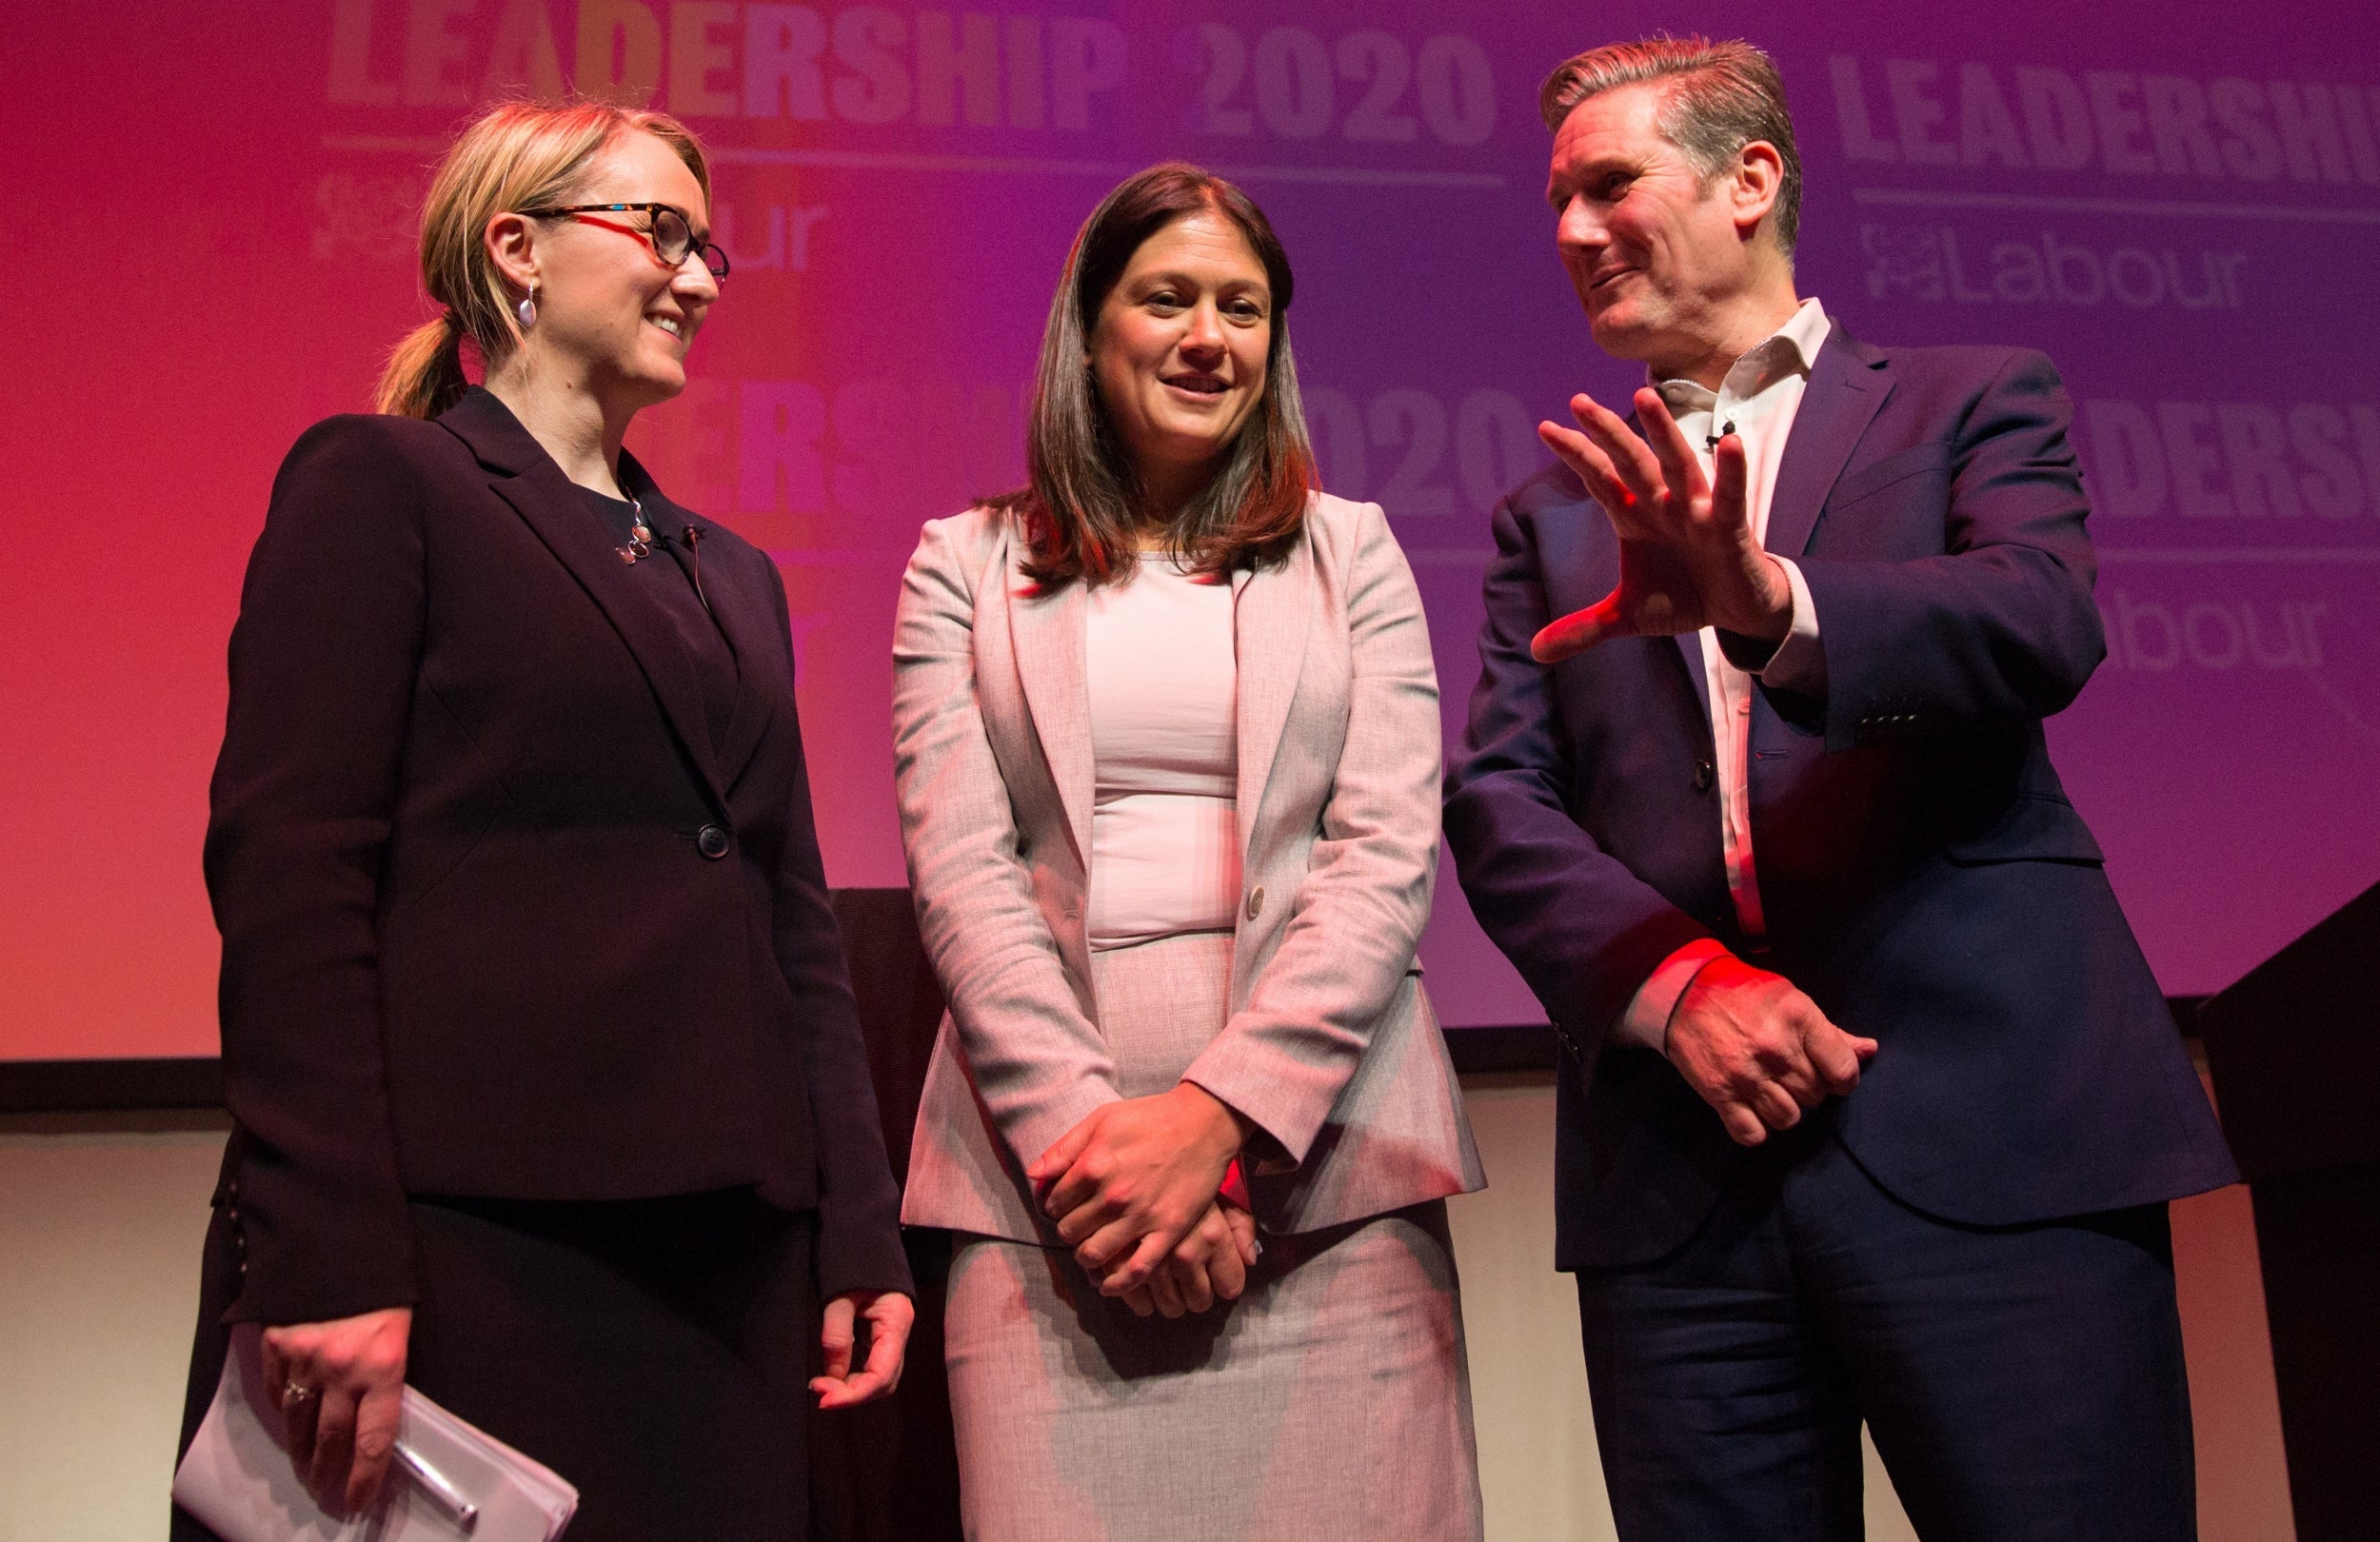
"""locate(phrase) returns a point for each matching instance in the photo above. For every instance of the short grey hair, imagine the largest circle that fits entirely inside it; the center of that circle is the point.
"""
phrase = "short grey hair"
(1722, 97)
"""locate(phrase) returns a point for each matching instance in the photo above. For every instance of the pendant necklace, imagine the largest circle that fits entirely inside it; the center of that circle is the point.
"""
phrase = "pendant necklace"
(639, 536)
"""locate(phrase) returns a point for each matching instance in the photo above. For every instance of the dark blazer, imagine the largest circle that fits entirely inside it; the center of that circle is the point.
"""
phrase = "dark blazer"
(1925, 878)
(500, 917)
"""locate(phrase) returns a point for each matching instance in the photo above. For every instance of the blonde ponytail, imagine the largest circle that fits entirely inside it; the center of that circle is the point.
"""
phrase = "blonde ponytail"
(424, 374)
(519, 155)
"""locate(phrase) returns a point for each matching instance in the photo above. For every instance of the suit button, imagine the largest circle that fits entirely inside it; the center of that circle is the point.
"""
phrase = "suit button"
(1255, 901)
(711, 841)
(1704, 775)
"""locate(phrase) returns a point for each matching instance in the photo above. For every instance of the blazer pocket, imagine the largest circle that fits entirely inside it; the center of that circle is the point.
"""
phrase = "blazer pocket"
(2035, 827)
(1893, 469)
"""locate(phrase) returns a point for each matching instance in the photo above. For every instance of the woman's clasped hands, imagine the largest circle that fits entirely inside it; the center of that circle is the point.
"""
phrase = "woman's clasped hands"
(1135, 1188)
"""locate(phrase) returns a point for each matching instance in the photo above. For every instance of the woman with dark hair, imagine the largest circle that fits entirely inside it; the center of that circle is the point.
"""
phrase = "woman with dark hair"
(1166, 738)
(547, 1083)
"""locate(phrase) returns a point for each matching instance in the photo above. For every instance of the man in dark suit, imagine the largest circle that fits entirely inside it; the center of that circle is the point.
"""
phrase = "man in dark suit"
(1757, 750)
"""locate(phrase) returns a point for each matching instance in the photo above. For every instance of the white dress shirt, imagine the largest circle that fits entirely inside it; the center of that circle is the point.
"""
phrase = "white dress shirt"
(1164, 678)
(1756, 401)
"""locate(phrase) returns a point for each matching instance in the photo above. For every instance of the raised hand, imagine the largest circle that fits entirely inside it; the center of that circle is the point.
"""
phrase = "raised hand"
(1757, 1050)
(341, 1385)
(1129, 1182)
(1687, 555)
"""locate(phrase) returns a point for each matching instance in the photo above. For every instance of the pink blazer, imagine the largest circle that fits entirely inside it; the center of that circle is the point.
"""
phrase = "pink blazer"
(1331, 1047)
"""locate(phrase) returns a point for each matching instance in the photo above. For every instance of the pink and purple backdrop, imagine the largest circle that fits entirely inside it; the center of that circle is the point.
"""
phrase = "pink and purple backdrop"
(215, 235)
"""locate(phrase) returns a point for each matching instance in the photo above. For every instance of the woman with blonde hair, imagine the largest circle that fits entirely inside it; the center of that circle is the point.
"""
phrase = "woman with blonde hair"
(1167, 740)
(547, 1089)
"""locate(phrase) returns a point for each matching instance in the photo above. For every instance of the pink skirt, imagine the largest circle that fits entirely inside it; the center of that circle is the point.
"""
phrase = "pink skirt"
(1332, 1400)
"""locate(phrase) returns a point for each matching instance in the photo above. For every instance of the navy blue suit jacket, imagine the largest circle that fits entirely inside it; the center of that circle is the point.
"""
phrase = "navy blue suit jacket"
(1925, 878)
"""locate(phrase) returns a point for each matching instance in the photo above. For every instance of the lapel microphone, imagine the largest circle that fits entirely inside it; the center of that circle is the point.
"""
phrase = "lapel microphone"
(694, 550)
(1711, 442)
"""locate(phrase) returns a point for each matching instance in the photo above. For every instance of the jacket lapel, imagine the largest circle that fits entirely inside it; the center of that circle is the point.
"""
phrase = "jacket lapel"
(745, 612)
(1689, 647)
(1270, 622)
(1848, 383)
(1046, 632)
(742, 613)
(527, 478)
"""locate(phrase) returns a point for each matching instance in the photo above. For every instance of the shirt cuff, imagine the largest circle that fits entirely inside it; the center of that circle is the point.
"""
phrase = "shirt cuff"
(1798, 665)
(1645, 1025)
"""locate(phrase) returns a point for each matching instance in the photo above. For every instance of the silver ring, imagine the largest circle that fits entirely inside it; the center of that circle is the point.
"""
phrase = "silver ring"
(296, 1391)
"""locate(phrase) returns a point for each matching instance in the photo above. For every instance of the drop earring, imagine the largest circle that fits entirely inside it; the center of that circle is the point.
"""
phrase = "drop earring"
(527, 309)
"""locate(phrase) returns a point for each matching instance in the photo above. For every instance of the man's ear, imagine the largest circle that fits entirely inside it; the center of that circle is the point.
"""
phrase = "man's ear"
(1753, 184)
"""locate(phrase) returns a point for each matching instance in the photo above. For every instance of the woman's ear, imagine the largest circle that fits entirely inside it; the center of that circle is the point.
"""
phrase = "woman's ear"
(511, 241)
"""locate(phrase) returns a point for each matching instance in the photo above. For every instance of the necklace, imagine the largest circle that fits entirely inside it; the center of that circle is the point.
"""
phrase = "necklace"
(639, 536)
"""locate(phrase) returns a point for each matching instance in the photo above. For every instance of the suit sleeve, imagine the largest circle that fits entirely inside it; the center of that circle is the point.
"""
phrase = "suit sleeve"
(2000, 626)
(1583, 930)
(859, 1207)
(323, 660)
(1036, 1060)
(1283, 1059)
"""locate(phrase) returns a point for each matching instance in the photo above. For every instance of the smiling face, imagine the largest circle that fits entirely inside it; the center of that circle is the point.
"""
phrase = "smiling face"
(1660, 256)
(609, 314)
(1179, 351)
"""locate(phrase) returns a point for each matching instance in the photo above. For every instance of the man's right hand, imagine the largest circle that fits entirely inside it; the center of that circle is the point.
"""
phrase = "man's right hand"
(1688, 557)
(1757, 1050)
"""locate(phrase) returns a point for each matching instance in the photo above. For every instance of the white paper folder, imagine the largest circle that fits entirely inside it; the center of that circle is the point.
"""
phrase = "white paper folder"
(449, 1480)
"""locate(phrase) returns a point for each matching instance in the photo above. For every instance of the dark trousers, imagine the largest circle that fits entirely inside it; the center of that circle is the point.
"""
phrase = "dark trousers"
(2019, 1381)
(654, 1352)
